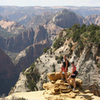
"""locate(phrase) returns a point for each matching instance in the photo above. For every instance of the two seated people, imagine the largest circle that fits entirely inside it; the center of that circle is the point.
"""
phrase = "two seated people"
(64, 70)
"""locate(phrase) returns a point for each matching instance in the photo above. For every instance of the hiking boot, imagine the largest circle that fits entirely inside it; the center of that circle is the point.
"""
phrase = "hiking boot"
(62, 79)
(73, 89)
(65, 81)
(69, 87)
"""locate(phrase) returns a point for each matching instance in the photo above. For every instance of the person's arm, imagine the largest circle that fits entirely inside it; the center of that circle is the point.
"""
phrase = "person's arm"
(61, 70)
(66, 63)
(66, 68)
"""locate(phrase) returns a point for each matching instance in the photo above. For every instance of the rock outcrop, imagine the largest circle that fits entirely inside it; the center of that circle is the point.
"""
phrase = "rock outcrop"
(57, 89)
(86, 59)
(21, 85)
(39, 95)
(54, 90)
(89, 74)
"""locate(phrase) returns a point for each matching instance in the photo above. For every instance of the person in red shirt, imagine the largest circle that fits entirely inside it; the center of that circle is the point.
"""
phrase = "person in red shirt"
(64, 69)
(73, 76)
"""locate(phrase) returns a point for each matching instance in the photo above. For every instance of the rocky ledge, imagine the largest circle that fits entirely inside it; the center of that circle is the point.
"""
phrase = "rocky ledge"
(55, 89)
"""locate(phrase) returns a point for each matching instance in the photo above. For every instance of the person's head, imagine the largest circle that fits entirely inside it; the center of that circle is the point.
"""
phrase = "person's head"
(72, 63)
(65, 57)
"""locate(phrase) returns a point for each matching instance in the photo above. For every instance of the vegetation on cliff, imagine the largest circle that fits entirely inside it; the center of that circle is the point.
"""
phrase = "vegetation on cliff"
(83, 35)
(32, 76)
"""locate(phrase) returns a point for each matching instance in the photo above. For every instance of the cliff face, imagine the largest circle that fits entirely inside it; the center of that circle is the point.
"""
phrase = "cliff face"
(11, 26)
(31, 52)
(92, 19)
(7, 73)
(89, 72)
(24, 39)
(86, 57)
(27, 56)
(66, 19)
(21, 41)
(30, 45)
(2, 42)
(40, 34)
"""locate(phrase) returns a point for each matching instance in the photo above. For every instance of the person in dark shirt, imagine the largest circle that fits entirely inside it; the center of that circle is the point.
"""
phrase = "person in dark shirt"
(64, 69)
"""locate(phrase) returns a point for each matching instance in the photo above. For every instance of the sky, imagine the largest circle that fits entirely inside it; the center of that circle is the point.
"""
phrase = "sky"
(50, 2)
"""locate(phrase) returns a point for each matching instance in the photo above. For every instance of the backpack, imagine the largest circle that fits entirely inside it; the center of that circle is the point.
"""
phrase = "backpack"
(64, 63)
(68, 63)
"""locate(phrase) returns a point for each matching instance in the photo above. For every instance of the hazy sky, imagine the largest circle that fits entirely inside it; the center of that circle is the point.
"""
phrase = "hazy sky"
(50, 2)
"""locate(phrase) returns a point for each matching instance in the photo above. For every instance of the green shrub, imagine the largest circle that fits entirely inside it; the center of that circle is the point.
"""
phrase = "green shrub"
(56, 57)
(86, 35)
(70, 45)
(59, 58)
(59, 42)
(45, 50)
(20, 99)
(32, 78)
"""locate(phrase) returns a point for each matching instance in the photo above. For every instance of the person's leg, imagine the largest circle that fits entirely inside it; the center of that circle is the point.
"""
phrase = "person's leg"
(74, 84)
(68, 80)
(62, 75)
(66, 76)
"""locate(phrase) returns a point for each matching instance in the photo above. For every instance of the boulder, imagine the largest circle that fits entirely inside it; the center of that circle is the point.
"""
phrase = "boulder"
(57, 75)
(62, 87)
(59, 82)
(87, 91)
(66, 84)
(55, 91)
(78, 82)
(65, 90)
(48, 85)
(76, 91)
(58, 89)
(70, 95)
(54, 76)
